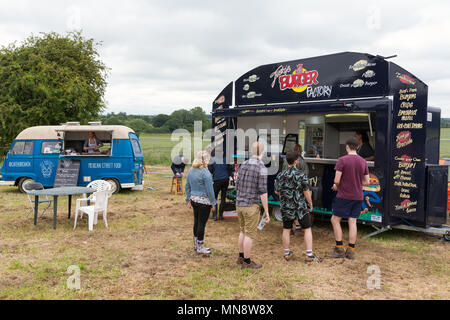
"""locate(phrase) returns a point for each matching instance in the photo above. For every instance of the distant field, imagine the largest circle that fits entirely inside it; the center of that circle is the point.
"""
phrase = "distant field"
(445, 145)
(157, 147)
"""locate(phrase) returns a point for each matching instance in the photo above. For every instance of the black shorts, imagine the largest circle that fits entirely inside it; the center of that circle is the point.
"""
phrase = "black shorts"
(346, 209)
(305, 222)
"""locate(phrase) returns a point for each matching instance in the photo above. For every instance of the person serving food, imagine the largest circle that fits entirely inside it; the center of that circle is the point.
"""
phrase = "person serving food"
(92, 144)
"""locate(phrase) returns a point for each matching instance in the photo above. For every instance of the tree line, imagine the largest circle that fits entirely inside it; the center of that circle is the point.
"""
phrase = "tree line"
(51, 78)
(161, 123)
(445, 123)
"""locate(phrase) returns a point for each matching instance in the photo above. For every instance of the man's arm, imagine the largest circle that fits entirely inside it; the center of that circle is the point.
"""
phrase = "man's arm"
(337, 180)
(308, 198)
(265, 203)
(366, 180)
(262, 189)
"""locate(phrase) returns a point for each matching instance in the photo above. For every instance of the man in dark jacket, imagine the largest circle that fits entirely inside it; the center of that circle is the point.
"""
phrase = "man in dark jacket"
(221, 173)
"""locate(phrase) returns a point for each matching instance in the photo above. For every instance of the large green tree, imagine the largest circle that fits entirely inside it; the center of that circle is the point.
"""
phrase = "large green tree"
(49, 79)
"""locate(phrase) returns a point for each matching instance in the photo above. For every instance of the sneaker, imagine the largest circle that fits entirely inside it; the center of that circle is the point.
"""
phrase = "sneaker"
(338, 253)
(203, 250)
(251, 265)
(313, 258)
(289, 256)
(350, 254)
(240, 261)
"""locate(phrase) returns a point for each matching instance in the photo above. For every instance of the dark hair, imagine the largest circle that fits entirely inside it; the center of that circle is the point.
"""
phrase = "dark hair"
(364, 135)
(352, 143)
(291, 157)
(298, 148)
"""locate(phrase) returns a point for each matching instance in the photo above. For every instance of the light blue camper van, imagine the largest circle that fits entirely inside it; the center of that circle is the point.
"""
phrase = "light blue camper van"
(35, 153)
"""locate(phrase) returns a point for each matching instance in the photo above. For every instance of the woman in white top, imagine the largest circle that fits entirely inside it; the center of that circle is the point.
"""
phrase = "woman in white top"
(92, 144)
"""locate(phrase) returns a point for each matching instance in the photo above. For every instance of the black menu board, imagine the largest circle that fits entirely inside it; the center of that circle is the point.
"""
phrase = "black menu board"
(408, 140)
(67, 173)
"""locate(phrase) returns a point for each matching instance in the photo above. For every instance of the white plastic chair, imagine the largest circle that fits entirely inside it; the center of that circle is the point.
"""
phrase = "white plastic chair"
(98, 185)
(101, 205)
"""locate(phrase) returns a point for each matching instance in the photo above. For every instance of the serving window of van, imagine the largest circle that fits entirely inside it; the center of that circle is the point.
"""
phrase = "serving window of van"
(77, 143)
(323, 137)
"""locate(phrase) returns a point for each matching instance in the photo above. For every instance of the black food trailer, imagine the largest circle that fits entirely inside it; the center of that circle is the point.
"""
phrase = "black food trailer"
(319, 103)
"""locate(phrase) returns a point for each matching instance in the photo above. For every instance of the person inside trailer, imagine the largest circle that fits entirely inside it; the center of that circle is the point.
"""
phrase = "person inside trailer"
(92, 144)
(365, 150)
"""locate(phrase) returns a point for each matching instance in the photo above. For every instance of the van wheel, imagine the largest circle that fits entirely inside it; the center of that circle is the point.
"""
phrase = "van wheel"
(23, 182)
(115, 185)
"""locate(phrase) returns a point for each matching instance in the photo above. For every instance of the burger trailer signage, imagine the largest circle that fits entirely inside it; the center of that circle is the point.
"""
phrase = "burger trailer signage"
(319, 102)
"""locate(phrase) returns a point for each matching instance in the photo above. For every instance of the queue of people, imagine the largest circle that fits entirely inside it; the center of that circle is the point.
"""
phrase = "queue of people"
(209, 177)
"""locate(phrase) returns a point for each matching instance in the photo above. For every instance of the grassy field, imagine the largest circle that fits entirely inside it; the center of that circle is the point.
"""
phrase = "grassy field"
(147, 254)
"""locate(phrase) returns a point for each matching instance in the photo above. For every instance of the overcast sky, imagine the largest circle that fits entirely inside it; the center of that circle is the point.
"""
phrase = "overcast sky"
(166, 55)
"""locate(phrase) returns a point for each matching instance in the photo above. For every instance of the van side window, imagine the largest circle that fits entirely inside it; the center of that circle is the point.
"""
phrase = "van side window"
(22, 148)
(50, 147)
(136, 148)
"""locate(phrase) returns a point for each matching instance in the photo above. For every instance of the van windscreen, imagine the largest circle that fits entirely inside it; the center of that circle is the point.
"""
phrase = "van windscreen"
(22, 148)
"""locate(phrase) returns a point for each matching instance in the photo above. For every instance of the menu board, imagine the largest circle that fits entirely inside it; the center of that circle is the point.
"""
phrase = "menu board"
(408, 145)
(67, 173)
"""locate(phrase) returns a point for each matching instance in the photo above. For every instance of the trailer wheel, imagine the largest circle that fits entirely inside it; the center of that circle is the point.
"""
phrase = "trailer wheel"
(277, 213)
(447, 236)
(23, 182)
(115, 185)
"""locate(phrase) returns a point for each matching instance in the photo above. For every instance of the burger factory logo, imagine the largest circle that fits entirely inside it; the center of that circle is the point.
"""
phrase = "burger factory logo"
(406, 79)
(246, 87)
(361, 65)
(404, 139)
(299, 80)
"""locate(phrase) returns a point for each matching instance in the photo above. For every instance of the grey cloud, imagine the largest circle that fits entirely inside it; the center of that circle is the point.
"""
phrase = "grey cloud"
(180, 54)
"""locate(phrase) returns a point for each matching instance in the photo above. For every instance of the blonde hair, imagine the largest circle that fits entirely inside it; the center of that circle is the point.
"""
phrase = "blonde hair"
(201, 160)
(257, 149)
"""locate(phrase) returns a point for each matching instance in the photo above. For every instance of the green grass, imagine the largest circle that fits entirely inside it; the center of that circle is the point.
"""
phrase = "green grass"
(157, 148)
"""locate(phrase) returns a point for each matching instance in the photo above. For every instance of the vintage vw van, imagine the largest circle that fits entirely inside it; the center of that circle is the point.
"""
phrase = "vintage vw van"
(35, 153)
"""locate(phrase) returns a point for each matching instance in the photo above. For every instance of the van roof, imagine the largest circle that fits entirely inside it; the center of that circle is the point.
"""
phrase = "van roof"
(50, 132)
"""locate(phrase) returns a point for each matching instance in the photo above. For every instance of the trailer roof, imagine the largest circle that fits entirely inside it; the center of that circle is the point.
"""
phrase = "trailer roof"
(51, 132)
